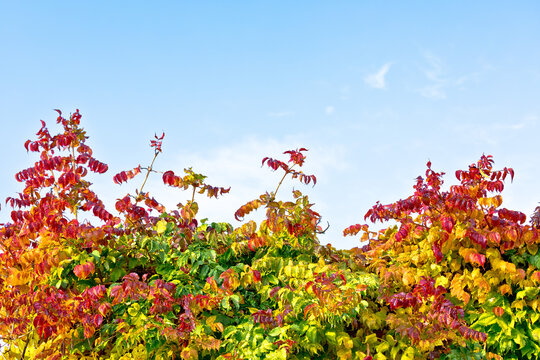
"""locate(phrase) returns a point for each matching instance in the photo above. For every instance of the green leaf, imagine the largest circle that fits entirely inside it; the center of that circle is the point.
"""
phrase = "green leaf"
(486, 319)
(534, 260)
(529, 292)
(96, 255)
(236, 301)
(117, 274)
(312, 334)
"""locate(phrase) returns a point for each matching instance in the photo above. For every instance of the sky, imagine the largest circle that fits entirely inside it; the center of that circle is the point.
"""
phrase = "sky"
(374, 90)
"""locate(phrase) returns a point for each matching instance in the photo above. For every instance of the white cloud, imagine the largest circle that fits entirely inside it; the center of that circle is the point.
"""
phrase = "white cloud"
(238, 165)
(329, 110)
(377, 80)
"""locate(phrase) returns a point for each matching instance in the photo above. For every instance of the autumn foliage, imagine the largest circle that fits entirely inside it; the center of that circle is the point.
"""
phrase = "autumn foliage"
(457, 277)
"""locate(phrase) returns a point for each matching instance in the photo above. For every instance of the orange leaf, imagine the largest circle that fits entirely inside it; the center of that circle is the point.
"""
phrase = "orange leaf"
(499, 311)
(505, 289)
(536, 276)
(17, 277)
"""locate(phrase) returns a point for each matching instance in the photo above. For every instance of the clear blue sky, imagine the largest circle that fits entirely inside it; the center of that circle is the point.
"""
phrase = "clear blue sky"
(373, 90)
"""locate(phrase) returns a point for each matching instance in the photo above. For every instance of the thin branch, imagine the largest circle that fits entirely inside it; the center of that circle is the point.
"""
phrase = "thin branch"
(281, 181)
(323, 231)
(25, 346)
(148, 172)
(76, 212)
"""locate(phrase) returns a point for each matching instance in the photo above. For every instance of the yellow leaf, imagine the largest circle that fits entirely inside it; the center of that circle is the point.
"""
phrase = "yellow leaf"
(441, 280)
(370, 339)
(519, 304)
(493, 253)
(189, 354)
(456, 289)
(483, 201)
(382, 347)
(408, 354)
(408, 278)
(161, 226)
(536, 334)
(344, 354)
(535, 304)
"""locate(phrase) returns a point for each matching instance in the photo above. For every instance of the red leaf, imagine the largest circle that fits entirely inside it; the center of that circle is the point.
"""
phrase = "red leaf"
(84, 270)
(355, 229)
(308, 309)
(478, 259)
(494, 237)
(437, 252)
(447, 224)
(256, 276)
(97, 292)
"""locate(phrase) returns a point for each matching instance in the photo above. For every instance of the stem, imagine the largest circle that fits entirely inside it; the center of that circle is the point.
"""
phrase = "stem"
(73, 169)
(148, 172)
(283, 178)
(193, 194)
(25, 346)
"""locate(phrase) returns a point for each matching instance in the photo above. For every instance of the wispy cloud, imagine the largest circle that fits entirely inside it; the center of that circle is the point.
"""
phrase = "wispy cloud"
(434, 72)
(345, 92)
(527, 122)
(515, 126)
(494, 133)
(439, 81)
(434, 91)
(279, 114)
(377, 80)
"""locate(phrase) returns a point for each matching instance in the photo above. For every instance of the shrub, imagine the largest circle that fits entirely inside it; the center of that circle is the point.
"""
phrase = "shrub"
(456, 278)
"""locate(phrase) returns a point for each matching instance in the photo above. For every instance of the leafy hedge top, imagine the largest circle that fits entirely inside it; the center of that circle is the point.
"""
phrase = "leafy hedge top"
(457, 277)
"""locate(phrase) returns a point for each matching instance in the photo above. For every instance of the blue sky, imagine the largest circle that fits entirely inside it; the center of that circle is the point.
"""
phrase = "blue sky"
(373, 90)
